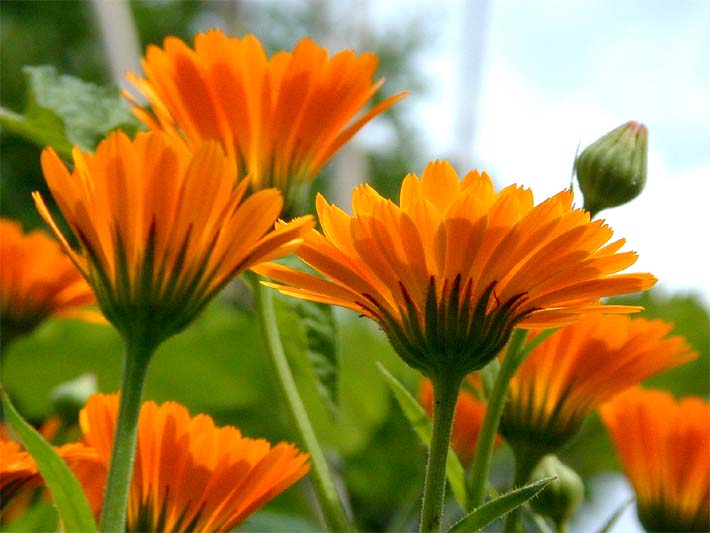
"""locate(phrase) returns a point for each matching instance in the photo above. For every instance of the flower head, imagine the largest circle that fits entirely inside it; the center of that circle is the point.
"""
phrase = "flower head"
(577, 368)
(468, 416)
(161, 229)
(37, 280)
(190, 475)
(18, 470)
(281, 118)
(451, 270)
(664, 446)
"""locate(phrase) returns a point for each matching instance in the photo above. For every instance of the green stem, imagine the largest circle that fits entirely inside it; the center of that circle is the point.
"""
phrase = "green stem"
(446, 392)
(331, 506)
(526, 459)
(486, 438)
(135, 366)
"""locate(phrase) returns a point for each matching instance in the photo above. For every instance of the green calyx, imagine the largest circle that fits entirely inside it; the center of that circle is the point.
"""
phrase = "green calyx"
(612, 170)
(457, 333)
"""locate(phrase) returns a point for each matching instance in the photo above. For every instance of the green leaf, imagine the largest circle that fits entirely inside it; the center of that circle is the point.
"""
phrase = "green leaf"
(66, 491)
(321, 330)
(421, 424)
(494, 509)
(309, 332)
(63, 111)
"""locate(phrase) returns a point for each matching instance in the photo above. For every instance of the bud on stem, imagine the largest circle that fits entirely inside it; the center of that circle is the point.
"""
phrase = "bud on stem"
(612, 170)
(560, 499)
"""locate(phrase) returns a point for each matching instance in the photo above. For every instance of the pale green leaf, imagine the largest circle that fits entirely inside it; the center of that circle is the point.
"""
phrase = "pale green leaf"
(63, 111)
(494, 509)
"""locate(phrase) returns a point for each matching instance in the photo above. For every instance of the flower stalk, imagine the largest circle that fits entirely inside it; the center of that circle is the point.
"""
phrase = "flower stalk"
(486, 439)
(139, 350)
(446, 392)
(331, 506)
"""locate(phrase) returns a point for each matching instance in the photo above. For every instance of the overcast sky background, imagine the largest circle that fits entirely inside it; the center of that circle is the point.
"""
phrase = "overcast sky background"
(556, 73)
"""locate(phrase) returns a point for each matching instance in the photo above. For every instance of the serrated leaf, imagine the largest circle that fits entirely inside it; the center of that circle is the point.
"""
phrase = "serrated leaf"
(309, 334)
(494, 509)
(422, 426)
(321, 330)
(66, 491)
(63, 111)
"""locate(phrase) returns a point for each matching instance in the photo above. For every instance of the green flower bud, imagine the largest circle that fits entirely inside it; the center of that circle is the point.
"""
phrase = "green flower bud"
(612, 170)
(560, 499)
(69, 398)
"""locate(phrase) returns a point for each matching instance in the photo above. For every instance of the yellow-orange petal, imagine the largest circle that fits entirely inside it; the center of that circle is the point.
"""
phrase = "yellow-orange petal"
(189, 474)
(664, 448)
(280, 119)
(579, 367)
(37, 280)
(455, 267)
(161, 228)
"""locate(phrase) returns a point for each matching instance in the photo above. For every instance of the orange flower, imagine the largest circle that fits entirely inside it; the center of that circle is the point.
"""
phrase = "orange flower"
(190, 475)
(468, 417)
(664, 446)
(282, 118)
(18, 471)
(161, 230)
(579, 367)
(451, 270)
(37, 281)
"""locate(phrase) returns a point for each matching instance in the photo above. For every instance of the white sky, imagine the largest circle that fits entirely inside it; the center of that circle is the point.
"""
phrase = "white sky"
(556, 73)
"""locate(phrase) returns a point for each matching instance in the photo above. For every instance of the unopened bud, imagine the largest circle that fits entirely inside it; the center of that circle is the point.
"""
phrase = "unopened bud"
(69, 398)
(561, 497)
(612, 170)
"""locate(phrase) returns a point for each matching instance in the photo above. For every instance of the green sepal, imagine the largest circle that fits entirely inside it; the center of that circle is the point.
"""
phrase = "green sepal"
(67, 493)
(494, 509)
(422, 426)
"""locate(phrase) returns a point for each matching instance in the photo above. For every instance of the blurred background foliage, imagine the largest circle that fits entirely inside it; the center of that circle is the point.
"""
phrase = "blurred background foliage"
(217, 366)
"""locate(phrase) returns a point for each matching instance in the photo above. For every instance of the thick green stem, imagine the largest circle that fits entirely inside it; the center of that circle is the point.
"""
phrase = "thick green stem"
(135, 366)
(332, 508)
(446, 392)
(486, 438)
(526, 459)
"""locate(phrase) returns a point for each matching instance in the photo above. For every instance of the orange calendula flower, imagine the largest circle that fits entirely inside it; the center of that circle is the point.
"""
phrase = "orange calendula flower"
(664, 446)
(450, 271)
(190, 475)
(161, 229)
(18, 471)
(282, 118)
(468, 416)
(577, 368)
(37, 280)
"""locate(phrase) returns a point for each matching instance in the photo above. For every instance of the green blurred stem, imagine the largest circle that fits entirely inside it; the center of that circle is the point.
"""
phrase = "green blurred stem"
(446, 392)
(496, 401)
(331, 506)
(526, 459)
(135, 365)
